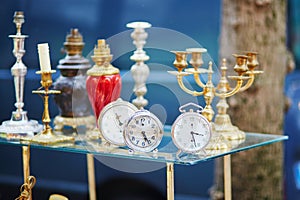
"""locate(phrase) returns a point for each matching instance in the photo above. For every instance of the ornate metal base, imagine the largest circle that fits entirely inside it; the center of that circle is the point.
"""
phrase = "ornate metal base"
(19, 126)
(47, 137)
(74, 122)
(93, 134)
(224, 126)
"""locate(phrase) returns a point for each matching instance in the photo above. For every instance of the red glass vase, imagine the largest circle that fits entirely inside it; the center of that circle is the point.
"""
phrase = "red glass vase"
(103, 90)
(103, 83)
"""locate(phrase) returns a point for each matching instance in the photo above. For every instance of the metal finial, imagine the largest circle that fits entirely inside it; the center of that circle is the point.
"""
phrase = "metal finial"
(19, 20)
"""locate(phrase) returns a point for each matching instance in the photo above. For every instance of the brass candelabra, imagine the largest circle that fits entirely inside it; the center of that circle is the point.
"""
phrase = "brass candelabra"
(245, 69)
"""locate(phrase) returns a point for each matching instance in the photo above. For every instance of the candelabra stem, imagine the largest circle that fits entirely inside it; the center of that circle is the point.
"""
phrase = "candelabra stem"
(46, 118)
(235, 90)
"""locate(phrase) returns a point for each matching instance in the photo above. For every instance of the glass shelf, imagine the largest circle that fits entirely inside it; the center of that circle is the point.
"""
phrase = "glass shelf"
(167, 151)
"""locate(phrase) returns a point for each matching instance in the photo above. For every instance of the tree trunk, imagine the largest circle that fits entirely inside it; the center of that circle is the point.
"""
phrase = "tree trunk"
(257, 25)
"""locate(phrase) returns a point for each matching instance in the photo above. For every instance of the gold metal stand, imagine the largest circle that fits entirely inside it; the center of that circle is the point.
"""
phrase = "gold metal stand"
(227, 177)
(29, 181)
(47, 136)
(170, 181)
(91, 176)
(26, 159)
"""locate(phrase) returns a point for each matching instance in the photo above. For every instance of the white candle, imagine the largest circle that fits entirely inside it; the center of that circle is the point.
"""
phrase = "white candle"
(43, 50)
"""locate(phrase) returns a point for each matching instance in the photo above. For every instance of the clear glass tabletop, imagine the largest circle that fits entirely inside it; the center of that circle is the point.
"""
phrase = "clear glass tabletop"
(167, 151)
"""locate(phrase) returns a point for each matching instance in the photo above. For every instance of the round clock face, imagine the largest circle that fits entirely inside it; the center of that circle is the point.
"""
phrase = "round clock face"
(143, 132)
(113, 119)
(191, 132)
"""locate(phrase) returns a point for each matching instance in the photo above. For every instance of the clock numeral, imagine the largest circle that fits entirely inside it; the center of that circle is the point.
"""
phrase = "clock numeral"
(143, 144)
(133, 138)
(152, 125)
(130, 132)
(143, 121)
(133, 126)
(137, 141)
(149, 141)
(153, 137)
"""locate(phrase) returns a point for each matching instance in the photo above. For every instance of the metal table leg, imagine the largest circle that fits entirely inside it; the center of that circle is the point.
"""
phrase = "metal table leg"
(170, 181)
(91, 176)
(227, 177)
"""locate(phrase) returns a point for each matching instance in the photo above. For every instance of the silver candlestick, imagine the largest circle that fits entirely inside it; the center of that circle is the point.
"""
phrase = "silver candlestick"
(19, 125)
(140, 71)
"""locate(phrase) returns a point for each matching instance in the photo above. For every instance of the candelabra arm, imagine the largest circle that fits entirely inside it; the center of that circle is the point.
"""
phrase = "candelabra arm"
(182, 86)
(198, 80)
(249, 83)
(232, 92)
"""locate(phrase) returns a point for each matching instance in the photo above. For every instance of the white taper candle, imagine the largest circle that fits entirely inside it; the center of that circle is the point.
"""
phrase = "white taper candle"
(43, 50)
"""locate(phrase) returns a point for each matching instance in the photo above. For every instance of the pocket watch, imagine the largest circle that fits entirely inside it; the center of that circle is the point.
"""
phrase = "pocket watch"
(112, 120)
(191, 131)
(143, 131)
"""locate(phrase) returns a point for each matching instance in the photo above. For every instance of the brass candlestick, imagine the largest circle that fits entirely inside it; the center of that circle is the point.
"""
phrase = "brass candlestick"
(222, 126)
(47, 136)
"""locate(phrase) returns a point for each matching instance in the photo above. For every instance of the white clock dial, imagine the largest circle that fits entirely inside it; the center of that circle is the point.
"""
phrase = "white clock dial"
(113, 119)
(191, 132)
(143, 132)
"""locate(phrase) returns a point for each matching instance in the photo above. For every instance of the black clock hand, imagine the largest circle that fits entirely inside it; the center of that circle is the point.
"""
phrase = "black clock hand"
(192, 132)
(145, 137)
(118, 119)
(193, 140)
